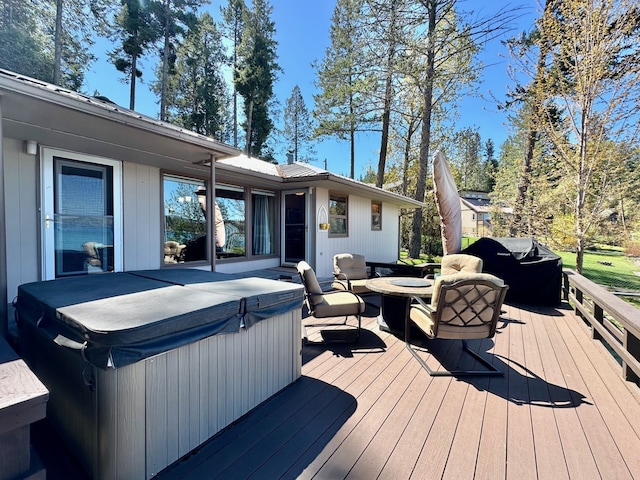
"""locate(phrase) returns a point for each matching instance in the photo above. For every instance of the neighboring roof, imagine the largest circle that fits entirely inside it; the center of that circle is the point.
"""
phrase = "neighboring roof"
(480, 205)
(296, 175)
(60, 118)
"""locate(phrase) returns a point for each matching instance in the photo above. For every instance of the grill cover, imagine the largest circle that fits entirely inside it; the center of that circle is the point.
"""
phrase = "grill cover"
(532, 271)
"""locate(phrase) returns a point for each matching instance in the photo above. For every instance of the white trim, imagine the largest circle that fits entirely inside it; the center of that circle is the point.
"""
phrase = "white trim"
(47, 206)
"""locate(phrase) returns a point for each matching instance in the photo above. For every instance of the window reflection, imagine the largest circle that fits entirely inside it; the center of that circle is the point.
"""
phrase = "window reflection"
(185, 221)
(231, 203)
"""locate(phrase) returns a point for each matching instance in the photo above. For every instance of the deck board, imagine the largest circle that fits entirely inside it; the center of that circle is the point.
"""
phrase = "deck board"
(370, 411)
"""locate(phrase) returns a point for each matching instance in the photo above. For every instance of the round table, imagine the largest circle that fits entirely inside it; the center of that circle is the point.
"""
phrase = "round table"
(396, 299)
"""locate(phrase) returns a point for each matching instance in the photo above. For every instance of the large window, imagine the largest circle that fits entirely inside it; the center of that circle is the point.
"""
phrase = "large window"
(185, 226)
(338, 215)
(238, 229)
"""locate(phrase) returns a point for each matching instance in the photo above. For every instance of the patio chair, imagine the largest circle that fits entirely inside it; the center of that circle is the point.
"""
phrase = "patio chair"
(464, 306)
(460, 262)
(350, 273)
(323, 304)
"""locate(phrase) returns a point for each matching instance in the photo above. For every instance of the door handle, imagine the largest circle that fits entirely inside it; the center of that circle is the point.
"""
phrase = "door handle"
(47, 219)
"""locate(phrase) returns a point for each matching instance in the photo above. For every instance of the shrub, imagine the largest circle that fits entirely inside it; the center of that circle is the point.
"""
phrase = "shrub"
(632, 248)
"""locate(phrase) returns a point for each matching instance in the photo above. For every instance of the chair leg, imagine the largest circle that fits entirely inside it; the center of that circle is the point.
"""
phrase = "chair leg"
(490, 372)
(356, 340)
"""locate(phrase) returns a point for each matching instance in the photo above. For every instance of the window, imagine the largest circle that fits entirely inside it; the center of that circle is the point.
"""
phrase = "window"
(263, 207)
(230, 221)
(82, 214)
(338, 215)
(376, 215)
(185, 224)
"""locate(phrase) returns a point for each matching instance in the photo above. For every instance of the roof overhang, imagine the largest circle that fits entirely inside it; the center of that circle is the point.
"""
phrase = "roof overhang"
(59, 118)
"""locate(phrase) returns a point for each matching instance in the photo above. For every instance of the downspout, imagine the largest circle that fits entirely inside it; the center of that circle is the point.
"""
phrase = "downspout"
(4, 306)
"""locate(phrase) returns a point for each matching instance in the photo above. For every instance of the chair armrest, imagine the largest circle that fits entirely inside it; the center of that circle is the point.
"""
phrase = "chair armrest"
(423, 304)
(343, 276)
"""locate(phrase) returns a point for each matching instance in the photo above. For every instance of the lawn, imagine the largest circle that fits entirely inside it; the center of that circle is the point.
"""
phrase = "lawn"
(609, 269)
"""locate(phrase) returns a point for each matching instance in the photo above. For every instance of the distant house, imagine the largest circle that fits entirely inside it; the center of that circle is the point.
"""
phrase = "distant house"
(90, 187)
(475, 213)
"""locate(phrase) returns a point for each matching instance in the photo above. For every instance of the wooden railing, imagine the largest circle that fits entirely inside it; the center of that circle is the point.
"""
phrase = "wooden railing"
(611, 319)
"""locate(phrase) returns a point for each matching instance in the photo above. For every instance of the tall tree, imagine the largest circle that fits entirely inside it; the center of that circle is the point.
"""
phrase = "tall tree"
(175, 17)
(594, 76)
(25, 45)
(298, 128)
(233, 26)
(255, 74)
(136, 29)
(76, 24)
(343, 80)
(197, 96)
(446, 46)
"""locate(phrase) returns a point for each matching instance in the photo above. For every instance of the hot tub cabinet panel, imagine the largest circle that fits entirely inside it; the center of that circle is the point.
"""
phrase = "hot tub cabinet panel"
(133, 421)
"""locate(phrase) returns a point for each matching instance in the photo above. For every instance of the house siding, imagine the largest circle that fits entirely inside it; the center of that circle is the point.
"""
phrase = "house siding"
(142, 217)
(375, 245)
(22, 216)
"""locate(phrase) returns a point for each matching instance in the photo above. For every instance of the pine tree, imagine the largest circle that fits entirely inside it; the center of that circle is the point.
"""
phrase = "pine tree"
(233, 26)
(342, 106)
(298, 129)
(255, 75)
(137, 29)
(197, 96)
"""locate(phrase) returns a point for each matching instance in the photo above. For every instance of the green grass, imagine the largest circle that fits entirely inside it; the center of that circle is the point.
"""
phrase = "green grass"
(619, 274)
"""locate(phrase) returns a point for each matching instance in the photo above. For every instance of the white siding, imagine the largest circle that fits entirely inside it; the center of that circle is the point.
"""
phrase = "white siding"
(375, 245)
(20, 181)
(142, 217)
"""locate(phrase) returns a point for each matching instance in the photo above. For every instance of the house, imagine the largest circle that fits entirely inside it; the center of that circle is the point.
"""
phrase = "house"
(89, 186)
(475, 213)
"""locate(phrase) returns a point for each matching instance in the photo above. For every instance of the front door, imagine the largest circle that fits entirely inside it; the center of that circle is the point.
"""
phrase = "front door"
(295, 229)
(81, 214)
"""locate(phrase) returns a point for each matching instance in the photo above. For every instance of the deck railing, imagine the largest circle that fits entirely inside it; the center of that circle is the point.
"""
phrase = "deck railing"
(611, 319)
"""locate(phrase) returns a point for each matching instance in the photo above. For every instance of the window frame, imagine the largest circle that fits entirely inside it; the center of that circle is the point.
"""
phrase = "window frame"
(337, 197)
(376, 227)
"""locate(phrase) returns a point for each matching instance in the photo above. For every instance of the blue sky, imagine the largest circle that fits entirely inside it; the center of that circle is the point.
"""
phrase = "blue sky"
(302, 32)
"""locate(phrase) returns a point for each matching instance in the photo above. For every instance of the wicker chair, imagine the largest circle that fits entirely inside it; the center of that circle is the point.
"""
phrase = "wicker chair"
(464, 306)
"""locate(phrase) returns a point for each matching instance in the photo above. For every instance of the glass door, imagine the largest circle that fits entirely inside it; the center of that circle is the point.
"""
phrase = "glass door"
(295, 234)
(81, 215)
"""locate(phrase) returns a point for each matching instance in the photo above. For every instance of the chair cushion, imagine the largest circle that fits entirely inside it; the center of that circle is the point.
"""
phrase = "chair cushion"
(351, 265)
(357, 286)
(338, 303)
(310, 281)
(460, 262)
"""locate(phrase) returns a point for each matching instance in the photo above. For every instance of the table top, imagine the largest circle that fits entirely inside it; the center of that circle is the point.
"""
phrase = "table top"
(401, 286)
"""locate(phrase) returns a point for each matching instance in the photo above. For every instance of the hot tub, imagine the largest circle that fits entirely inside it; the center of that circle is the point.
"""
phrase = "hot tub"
(143, 367)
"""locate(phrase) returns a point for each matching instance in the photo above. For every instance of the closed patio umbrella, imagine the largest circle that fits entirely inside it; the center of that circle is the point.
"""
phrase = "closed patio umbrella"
(448, 204)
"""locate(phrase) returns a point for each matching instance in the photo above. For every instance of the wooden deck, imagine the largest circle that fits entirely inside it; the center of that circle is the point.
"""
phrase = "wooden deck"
(370, 411)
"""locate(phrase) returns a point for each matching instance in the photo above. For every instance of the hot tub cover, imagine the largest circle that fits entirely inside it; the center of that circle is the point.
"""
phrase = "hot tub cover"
(116, 319)
(261, 298)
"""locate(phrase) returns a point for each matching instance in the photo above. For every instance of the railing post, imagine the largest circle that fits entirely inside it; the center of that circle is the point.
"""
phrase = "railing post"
(598, 314)
(632, 345)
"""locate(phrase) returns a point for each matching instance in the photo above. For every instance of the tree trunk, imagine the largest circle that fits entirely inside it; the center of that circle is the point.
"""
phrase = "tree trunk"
(165, 64)
(132, 87)
(425, 137)
(247, 147)
(57, 60)
(388, 98)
